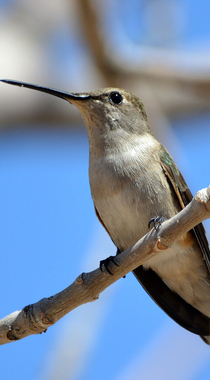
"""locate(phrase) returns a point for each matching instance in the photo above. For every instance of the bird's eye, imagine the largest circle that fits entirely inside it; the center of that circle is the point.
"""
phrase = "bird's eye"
(116, 97)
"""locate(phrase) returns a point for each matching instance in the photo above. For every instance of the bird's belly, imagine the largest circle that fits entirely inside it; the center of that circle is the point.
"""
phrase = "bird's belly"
(126, 220)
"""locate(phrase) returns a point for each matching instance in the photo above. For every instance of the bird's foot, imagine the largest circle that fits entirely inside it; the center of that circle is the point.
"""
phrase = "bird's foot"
(105, 263)
(118, 252)
(156, 221)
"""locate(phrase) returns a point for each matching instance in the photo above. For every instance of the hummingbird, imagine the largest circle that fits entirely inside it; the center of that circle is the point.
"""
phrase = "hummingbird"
(134, 182)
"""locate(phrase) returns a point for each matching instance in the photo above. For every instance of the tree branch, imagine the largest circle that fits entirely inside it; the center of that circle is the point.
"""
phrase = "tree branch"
(152, 69)
(90, 23)
(37, 317)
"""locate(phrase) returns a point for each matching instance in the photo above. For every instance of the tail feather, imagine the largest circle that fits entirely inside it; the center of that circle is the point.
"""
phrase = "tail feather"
(206, 339)
(172, 304)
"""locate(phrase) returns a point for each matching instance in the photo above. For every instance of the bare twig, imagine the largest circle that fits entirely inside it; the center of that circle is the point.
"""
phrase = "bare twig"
(174, 86)
(36, 318)
(94, 37)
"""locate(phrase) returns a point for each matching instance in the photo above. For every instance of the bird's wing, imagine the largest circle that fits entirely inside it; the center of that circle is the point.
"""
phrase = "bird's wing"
(184, 195)
(170, 302)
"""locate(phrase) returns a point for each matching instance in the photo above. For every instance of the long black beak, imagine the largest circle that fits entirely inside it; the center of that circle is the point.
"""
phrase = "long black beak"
(60, 94)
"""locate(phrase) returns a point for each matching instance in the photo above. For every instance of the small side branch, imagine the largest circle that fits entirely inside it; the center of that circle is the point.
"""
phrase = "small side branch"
(37, 317)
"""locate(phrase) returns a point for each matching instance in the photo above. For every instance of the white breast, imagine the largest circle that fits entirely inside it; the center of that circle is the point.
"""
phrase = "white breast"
(128, 189)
